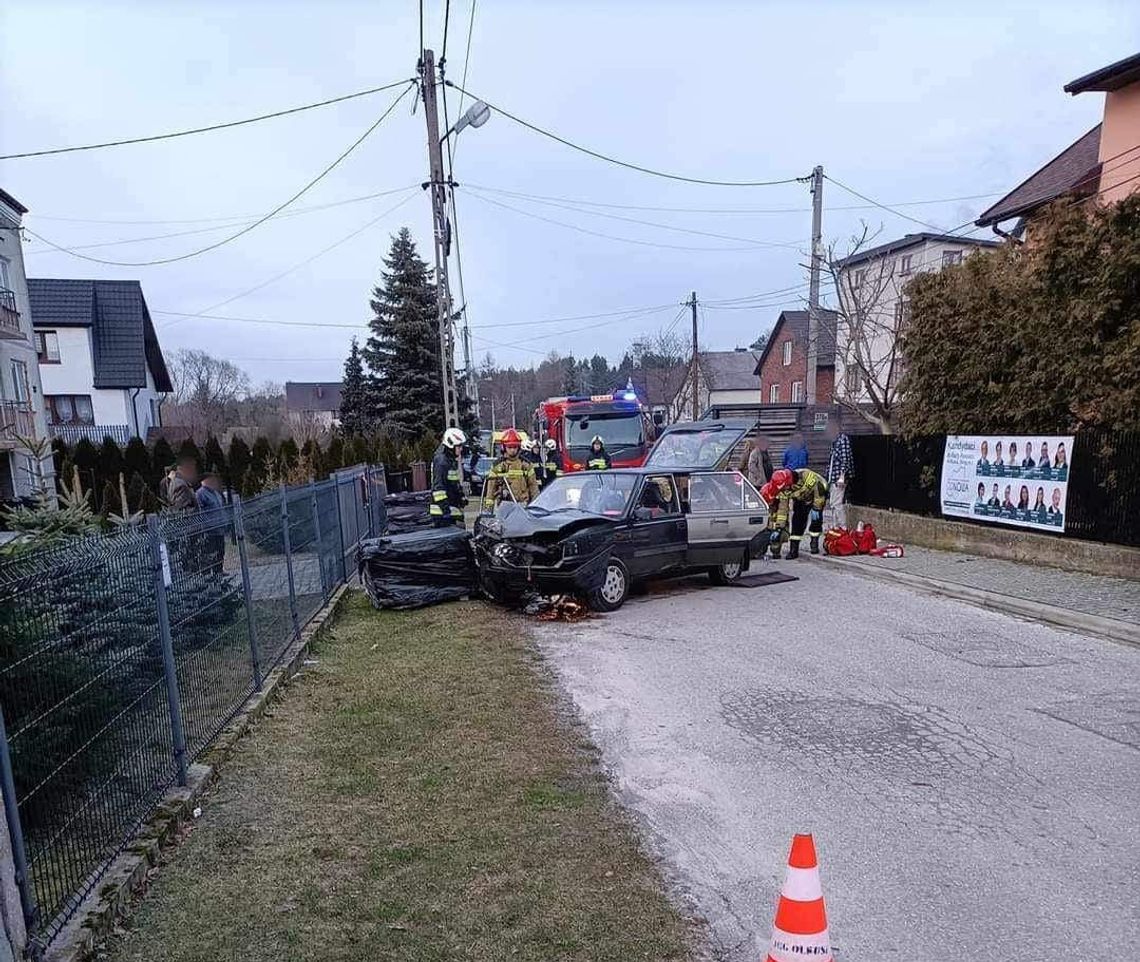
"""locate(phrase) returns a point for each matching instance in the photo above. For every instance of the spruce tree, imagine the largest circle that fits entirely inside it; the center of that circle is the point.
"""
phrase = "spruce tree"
(570, 382)
(262, 454)
(161, 458)
(136, 459)
(188, 449)
(237, 464)
(359, 410)
(402, 353)
(213, 456)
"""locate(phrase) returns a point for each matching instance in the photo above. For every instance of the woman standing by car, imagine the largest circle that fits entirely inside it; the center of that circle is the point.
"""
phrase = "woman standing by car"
(756, 463)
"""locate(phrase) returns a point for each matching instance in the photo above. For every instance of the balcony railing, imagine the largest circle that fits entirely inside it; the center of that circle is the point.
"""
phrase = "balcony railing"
(9, 316)
(73, 433)
(16, 422)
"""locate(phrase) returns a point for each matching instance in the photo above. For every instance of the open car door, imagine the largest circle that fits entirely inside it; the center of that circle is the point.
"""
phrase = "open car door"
(726, 513)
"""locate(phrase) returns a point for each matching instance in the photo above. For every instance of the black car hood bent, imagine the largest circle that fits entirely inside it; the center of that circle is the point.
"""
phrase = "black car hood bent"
(521, 523)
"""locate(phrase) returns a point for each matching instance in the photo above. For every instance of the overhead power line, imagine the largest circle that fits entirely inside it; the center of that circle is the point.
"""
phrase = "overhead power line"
(235, 219)
(594, 233)
(296, 267)
(623, 163)
(724, 210)
(202, 130)
(249, 227)
(649, 223)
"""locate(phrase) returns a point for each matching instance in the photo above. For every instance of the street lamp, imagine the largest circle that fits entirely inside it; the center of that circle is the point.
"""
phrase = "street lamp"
(475, 116)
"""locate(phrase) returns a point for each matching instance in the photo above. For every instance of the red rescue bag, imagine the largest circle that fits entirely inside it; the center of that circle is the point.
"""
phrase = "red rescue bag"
(866, 539)
(839, 541)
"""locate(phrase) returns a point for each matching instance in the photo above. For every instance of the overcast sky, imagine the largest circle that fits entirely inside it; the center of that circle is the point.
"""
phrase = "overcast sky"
(902, 101)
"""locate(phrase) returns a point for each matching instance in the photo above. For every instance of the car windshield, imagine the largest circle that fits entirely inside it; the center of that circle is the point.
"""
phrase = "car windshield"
(617, 431)
(693, 448)
(604, 493)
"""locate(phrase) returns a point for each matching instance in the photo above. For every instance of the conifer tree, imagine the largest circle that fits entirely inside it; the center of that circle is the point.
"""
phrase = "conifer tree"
(359, 408)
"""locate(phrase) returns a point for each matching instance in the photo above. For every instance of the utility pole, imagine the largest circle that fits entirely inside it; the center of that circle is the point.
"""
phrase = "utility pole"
(813, 286)
(513, 425)
(696, 367)
(439, 188)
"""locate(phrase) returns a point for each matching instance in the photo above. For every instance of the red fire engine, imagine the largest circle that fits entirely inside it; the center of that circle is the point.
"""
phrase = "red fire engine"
(620, 419)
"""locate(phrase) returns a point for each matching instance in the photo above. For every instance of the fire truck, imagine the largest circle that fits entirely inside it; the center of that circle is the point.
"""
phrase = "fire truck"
(621, 420)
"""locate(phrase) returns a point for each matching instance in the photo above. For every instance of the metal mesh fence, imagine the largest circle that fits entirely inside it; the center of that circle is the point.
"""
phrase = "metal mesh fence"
(123, 655)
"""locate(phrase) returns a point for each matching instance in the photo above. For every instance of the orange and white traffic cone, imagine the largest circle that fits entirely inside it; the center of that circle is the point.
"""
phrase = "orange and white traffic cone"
(800, 929)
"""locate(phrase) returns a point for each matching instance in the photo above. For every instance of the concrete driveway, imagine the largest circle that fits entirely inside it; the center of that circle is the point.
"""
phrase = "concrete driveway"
(972, 780)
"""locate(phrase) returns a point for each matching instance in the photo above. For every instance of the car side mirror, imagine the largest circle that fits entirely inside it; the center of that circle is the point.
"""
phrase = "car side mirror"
(642, 514)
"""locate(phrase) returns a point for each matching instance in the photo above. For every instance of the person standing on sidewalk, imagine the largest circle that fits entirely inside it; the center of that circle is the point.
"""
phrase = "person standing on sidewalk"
(756, 463)
(840, 467)
(796, 453)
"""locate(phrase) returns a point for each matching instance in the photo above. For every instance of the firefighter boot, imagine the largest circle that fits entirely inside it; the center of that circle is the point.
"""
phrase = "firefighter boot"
(813, 545)
(793, 549)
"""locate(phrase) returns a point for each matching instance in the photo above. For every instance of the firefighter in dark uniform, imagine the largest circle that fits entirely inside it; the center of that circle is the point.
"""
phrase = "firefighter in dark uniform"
(446, 507)
(598, 460)
(551, 461)
(803, 494)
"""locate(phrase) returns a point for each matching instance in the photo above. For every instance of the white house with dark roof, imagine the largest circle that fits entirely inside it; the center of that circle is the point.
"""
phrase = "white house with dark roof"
(21, 405)
(723, 377)
(314, 403)
(100, 363)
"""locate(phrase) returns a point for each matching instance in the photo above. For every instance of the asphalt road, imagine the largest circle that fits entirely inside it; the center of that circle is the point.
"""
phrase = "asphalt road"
(972, 780)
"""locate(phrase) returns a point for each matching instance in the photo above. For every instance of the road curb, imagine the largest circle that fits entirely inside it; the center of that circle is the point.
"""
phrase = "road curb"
(1119, 631)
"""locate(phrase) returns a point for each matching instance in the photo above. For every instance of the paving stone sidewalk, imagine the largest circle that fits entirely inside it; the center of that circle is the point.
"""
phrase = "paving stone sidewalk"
(1105, 597)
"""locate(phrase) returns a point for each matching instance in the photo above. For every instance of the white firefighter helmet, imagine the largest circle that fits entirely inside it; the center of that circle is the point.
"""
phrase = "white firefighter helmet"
(454, 438)
(551, 444)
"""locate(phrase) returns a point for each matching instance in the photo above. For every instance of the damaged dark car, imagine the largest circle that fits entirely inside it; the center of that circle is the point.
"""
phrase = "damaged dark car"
(596, 534)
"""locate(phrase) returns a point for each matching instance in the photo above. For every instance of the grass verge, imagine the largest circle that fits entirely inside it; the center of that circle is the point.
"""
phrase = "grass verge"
(416, 797)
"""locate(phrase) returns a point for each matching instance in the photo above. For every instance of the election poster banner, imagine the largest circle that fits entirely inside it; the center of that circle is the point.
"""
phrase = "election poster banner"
(1017, 481)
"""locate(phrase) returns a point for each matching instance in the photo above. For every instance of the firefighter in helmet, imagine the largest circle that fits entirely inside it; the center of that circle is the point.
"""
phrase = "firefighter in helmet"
(598, 460)
(512, 477)
(446, 507)
(551, 461)
(803, 494)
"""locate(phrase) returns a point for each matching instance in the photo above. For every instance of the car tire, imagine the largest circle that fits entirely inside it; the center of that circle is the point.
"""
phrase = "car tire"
(726, 574)
(614, 590)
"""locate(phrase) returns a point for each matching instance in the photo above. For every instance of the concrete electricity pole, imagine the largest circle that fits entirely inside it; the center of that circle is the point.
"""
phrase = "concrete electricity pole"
(695, 374)
(439, 188)
(813, 286)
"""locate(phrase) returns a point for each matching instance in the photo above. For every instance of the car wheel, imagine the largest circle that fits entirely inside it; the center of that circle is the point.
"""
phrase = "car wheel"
(726, 574)
(614, 590)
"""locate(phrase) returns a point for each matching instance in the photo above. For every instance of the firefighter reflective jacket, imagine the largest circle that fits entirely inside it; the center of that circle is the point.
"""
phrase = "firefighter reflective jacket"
(809, 488)
(598, 461)
(510, 477)
(551, 469)
(446, 491)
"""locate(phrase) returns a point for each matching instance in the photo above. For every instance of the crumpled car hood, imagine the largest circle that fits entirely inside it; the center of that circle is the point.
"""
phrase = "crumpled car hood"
(520, 523)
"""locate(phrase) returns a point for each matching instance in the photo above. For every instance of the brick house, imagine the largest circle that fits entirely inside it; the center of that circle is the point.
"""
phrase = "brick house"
(782, 366)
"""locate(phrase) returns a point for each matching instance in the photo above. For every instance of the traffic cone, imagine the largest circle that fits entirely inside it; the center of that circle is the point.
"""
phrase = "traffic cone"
(799, 933)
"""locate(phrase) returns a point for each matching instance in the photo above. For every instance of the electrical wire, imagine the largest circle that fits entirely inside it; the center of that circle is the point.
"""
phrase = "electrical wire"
(759, 295)
(593, 233)
(622, 163)
(295, 267)
(201, 130)
(446, 24)
(249, 227)
(467, 55)
(236, 219)
(649, 223)
(723, 210)
(206, 230)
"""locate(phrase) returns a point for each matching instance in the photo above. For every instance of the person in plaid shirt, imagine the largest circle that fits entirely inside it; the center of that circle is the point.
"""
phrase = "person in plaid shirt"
(840, 467)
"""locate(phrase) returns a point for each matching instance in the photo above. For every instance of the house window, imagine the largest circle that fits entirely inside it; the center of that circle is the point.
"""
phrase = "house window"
(22, 390)
(774, 394)
(853, 381)
(904, 264)
(787, 353)
(859, 278)
(797, 392)
(69, 409)
(47, 347)
(5, 282)
(902, 313)
(950, 258)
